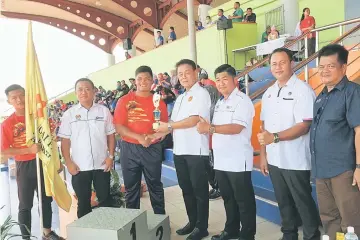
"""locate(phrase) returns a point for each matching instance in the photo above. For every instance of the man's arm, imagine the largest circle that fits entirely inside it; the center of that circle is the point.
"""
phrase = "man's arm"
(111, 144)
(65, 150)
(185, 123)
(357, 144)
(126, 132)
(11, 152)
(295, 131)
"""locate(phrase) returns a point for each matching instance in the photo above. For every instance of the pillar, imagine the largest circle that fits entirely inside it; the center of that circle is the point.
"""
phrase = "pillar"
(203, 12)
(191, 27)
(111, 59)
(291, 15)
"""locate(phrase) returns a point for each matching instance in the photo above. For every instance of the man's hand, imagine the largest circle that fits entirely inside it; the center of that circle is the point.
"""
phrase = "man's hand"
(163, 127)
(356, 180)
(144, 141)
(35, 148)
(73, 168)
(264, 165)
(108, 162)
(203, 126)
(61, 168)
(264, 137)
(230, 17)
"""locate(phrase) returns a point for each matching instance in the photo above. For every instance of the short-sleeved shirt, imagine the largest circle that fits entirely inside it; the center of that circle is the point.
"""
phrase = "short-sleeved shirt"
(234, 153)
(282, 108)
(87, 131)
(13, 135)
(308, 22)
(264, 37)
(195, 102)
(160, 41)
(172, 36)
(136, 113)
(238, 12)
(251, 18)
(336, 114)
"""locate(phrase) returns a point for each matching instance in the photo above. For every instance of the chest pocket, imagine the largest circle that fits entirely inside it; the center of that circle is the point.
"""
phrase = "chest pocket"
(224, 113)
(335, 112)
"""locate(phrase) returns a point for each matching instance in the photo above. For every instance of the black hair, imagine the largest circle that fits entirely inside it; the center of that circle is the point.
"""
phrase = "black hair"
(144, 69)
(203, 76)
(85, 80)
(172, 28)
(288, 52)
(303, 15)
(131, 79)
(186, 61)
(118, 82)
(249, 9)
(332, 49)
(221, 10)
(159, 32)
(13, 87)
(226, 68)
(238, 3)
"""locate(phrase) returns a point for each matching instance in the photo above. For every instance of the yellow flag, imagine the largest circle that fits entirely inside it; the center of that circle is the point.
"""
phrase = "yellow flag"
(35, 106)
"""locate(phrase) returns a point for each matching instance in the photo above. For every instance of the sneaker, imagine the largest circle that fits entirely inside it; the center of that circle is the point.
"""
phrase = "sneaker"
(214, 195)
(52, 236)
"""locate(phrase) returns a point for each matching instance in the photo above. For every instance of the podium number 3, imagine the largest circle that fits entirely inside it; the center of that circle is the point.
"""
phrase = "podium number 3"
(160, 231)
(133, 231)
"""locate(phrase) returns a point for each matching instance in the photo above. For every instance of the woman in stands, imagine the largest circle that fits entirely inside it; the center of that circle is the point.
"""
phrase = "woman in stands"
(307, 23)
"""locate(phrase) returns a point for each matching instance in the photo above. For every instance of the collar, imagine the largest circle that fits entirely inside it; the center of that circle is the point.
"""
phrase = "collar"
(79, 106)
(340, 86)
(194, 87)
(232, 95)
(290, 83)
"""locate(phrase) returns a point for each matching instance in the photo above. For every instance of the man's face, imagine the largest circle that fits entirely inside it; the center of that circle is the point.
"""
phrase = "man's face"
(132, 82)
(220, 13)
(16, 99)
(225, 83)
(268, 30)
(331, 71)
(187, 75)
(249, 12)
(159, 34)
(236, 6)
(143, 82)
(122, 82)
(85, 92)
(118, 83)
(280, 66)
(160, 77)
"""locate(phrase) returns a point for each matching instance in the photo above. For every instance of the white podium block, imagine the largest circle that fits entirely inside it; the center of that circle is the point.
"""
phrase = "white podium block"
(110, 224)
(159, 226)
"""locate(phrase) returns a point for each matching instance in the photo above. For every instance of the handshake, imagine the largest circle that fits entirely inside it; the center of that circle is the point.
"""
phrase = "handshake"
(146, 140)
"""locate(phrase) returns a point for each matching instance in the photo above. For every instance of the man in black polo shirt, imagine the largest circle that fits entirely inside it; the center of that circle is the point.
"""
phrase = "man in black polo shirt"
(335, 144)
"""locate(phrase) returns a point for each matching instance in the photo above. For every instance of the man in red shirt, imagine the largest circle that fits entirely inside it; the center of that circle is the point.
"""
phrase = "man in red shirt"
(13, 144)
(140, 151)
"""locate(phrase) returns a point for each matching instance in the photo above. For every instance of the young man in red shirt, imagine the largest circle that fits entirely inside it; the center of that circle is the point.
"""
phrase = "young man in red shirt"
(140, 151)
(13, 144)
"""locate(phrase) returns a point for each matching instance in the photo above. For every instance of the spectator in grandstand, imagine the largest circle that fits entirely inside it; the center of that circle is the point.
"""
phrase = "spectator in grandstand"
(307, 23)
(250, 17)
(190, 159)
(168, 97)
(132, 85)
(286, 115)
(205, 81)
(274, 34)
(127, 55)
(159, 39)
(172, 34)
(334, 143)
(251, 62)
(140, 153)
(102, 91)
(123, 89)
(167, 77)
(238, 14)
(231, 130)
(264, 37)
(162, 81)
(209, 22)
(199, 26)
(221, 15)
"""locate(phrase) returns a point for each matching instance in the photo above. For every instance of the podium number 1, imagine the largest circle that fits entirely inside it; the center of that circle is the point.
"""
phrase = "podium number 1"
(160, 231)
(133, 231)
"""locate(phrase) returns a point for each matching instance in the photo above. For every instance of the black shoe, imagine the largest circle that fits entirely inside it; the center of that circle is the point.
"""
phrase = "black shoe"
(214, 195)
(185, 230)
(224, 236)
(197, 234)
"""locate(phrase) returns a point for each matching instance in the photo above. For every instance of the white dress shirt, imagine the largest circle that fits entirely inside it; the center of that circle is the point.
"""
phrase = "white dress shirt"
(87, 131)
(234, 153)
(195, 102)
(282, 108)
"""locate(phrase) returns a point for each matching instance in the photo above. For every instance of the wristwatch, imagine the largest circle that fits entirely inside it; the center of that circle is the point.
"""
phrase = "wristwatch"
(111, 157)
(170, 128)
(357, 165)
(212, 129)
(276, 138)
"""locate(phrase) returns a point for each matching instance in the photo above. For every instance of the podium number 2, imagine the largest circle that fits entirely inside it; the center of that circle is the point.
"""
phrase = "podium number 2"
(133, 231)
(160, 231)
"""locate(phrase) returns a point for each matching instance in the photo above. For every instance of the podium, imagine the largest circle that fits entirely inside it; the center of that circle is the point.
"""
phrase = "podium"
(120, 224)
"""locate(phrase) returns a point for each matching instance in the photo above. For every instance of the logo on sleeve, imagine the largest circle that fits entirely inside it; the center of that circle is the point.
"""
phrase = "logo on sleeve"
(190, 99)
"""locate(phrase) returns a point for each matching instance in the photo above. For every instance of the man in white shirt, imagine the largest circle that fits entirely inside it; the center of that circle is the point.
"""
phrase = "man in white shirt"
(231, 130)
(191, 149)
(286, 115)
(87, 130)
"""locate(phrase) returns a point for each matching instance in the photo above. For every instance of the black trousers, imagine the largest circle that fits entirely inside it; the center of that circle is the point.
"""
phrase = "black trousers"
(193, 181)
(311, 46)
(239, 200)
(211, 172)
(82, 184)
(293, 194)
(26, 177)
(135, 160)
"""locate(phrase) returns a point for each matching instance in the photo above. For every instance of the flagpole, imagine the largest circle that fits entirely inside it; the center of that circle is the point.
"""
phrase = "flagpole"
(38, 171)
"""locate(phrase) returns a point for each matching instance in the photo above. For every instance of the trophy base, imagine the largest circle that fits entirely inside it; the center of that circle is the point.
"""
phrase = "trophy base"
(156, 125)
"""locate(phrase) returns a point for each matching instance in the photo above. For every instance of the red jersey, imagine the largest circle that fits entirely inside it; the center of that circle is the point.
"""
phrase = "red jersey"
(13, 134)
(136, 113)
(308, 22)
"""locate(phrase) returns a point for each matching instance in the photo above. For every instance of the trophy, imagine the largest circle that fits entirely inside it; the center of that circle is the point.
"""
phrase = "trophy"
(156, 112)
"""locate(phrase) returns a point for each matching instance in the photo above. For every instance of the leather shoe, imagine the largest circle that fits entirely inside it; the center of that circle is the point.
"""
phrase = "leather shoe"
(185, 230)
(224, 236)
(197, 234)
